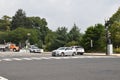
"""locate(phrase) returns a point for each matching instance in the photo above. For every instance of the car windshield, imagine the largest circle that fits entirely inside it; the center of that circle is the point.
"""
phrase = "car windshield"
(34, 47)
(61, 48)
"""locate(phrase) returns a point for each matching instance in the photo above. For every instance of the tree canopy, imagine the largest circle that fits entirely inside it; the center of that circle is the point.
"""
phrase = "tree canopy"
(15, 29)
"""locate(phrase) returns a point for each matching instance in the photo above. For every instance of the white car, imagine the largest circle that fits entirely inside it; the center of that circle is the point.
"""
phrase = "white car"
(80, 50)
(64, 51)
(34, 49)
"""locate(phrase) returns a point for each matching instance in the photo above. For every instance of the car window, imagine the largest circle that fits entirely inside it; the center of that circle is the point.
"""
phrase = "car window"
(69, 48)
(61, 48)
(34, 47)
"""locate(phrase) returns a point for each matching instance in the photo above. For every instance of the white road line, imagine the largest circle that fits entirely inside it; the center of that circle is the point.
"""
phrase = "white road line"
(26, 58)
(57, 58)
(48, 58)
(65, 57)
(35, 58)
(2, 78)
(7, 59)
(52, 57)
(18, 59)
(45, 58)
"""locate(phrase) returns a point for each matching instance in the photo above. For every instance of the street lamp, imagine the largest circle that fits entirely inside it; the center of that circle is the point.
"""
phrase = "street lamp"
(109, 46)
(27, 41)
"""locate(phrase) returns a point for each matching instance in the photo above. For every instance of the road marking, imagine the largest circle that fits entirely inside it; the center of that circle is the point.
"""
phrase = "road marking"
(27, 58)
(47, 58)
(57, 58)
(65, 57)
(2, 78)
(36, 58)
(7, 59)
(18, 59)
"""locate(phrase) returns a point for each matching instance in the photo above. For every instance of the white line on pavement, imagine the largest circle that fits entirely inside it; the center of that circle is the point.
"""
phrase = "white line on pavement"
(46, 58)
(18, 59)
(2, 78)
(35, 58)
(57, 58)
(26, 58)
(7, 59)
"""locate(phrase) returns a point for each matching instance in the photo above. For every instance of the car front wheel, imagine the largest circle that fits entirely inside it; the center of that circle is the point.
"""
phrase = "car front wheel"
(81, 53)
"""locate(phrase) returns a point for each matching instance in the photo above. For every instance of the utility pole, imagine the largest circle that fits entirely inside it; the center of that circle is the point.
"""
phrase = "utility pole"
(91, 43)
(109, 46)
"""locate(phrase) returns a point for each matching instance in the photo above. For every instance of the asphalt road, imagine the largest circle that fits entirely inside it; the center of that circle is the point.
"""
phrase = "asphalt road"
(62, 69)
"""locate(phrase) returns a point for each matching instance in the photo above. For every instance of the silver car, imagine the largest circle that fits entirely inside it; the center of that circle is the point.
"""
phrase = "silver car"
(34, 49)
(80, 50)
(64, 51)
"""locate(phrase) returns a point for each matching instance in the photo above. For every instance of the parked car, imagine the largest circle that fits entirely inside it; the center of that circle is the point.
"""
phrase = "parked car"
(59, 52)
(9, 47)
(79, 50)
(35, 49)
(64, 51)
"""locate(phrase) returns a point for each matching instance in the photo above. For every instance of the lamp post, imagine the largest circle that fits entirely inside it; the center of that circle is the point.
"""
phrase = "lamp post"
(27, 41)
(109, 46)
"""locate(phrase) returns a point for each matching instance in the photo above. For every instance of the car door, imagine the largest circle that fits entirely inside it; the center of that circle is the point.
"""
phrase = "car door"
(69, 51)
(66, 51)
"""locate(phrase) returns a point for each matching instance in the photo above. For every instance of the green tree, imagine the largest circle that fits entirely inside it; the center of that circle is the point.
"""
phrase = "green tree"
(19, 36)
(74, 35)
(56, 39)
(115, 34)
(5, 23)
(43, 31)
(115, 17)
(19, 20)
(50, 41)
(35, 22)
(115, 28)
(3, 37)
(97, 35)
(61, 36)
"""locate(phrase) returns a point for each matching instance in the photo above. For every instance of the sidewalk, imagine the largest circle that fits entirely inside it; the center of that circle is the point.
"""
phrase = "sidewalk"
(102, 54)
(27, 53)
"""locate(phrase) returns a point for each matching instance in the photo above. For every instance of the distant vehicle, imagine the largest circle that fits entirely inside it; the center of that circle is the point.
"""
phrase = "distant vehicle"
(3, 47)
(79, 50)
(8, 47)
(14, 47)
(35, 49)
(64, 51)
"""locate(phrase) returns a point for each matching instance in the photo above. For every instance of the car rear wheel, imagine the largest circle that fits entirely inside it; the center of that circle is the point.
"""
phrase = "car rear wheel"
(73, 54)
(14, 50)
(62, 54)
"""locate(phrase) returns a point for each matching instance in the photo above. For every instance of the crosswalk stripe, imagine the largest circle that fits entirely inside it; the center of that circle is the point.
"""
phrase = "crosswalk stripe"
(18, 59)
(35, 58)
(26, 58)
(46, 58)
(6, 59)
(2, 78)
(57, 58)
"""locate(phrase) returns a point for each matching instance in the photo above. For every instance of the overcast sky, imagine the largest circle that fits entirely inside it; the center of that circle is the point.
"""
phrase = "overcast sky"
(59, 13)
